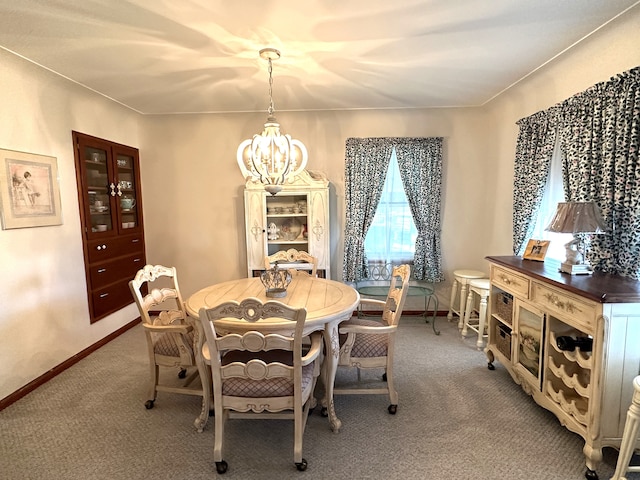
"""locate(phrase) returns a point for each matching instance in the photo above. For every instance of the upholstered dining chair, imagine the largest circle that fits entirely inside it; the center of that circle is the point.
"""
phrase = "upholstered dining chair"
(369, 343)
(169, 333)
(260, 375)
(302, 260)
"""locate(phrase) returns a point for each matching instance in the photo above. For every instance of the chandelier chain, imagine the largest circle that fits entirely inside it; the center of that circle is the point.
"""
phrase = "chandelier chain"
(271, 109)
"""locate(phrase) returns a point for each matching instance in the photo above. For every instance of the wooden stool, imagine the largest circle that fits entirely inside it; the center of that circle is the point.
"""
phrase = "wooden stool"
(482, 288)
(461, 279)
(630, 435)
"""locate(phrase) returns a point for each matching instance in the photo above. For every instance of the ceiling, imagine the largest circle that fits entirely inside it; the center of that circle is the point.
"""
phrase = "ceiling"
(169, 56)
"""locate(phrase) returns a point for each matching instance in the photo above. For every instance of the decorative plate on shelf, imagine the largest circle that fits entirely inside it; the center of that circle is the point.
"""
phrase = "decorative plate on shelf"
(290, 229)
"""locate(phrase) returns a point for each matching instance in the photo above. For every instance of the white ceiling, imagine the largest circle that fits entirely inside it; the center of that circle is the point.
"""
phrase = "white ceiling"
(178, 56)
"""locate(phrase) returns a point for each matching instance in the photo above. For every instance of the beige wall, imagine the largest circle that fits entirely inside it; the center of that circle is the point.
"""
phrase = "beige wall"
(192, 188)
(44, 315)
(191, 178)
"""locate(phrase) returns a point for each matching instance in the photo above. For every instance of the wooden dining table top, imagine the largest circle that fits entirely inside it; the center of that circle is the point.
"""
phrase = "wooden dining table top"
(325, 300)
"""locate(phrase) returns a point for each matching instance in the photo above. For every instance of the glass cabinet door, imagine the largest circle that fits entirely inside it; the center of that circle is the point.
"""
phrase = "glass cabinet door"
(96, 179)
(126, 186)
(529, 322)
(110, 181)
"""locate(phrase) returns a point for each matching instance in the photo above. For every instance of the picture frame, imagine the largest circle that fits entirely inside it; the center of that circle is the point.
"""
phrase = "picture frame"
(536, 250)
(29, 190)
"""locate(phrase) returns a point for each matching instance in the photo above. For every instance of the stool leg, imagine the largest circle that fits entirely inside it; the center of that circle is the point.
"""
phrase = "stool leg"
(454, 290)
(482, 318)
(629, 438)
(467, 314)
(463, 295)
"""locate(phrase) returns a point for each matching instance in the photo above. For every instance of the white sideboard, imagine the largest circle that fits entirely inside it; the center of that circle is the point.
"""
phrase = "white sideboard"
(535, 312)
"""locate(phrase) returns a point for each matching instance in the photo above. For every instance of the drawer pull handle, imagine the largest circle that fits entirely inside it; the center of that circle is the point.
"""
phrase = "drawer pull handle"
(102, 270)
(135, 240)
(102, 295)
(135, 260)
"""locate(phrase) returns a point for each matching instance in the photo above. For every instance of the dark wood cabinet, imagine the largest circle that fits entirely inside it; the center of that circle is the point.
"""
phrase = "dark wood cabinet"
(108, 178)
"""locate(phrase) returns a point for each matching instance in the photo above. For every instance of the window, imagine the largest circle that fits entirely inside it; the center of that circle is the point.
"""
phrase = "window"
(392, 235)
(553, 194)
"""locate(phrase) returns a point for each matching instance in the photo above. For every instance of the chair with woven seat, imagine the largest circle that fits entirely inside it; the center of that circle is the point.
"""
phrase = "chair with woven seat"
(293, 259)
(169, 332)
(260, 375)
(369, 343)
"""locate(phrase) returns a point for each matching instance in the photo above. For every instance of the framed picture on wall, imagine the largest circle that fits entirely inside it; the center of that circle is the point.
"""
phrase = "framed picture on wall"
(536, 250)
(29, 190)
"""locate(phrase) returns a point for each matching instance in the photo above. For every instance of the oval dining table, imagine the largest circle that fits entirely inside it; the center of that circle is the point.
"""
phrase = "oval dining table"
(328, 303)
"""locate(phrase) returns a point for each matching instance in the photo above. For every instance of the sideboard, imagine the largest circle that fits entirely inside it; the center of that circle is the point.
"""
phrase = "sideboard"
(572, 342)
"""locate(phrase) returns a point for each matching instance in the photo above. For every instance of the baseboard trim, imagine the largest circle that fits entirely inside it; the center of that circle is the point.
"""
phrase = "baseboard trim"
(45, 377)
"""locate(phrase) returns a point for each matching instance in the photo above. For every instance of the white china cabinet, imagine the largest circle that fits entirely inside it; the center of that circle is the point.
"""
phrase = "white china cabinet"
(296, 217)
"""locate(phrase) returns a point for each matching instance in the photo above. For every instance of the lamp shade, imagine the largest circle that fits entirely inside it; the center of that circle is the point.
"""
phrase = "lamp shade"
(577, 217)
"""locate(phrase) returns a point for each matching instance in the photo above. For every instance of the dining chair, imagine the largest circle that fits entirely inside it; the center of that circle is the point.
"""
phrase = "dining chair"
(630, 438)
(294, 259)
(260, 375)
(168, 330)
(369, 343)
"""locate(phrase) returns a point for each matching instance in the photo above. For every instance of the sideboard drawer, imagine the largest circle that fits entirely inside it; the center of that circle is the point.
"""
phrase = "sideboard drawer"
(573, 310)
(510, 281)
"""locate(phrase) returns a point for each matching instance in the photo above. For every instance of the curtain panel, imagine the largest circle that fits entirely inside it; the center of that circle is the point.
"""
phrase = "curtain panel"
(366, 164)
(420, 163)
(599, 134)
(534, 150)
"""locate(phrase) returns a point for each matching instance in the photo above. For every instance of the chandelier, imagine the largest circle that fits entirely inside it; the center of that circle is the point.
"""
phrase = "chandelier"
(271, 157)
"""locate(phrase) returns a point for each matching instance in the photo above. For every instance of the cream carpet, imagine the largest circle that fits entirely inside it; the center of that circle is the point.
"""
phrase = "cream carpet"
(456, 420)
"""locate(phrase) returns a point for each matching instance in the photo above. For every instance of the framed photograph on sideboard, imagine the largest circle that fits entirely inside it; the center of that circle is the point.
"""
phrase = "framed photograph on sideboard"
(536, 250)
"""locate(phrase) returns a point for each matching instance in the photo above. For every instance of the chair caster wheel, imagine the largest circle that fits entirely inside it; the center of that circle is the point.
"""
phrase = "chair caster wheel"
(491, 366)
(393, 409)
(384, 377)
(221, 467)
(148, 404)
(302, 466)
(590, 474)
(324, 412)
(182, 373)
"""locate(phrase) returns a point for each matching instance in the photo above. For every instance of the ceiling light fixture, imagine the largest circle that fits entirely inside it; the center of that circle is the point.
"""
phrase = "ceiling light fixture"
(271, 157)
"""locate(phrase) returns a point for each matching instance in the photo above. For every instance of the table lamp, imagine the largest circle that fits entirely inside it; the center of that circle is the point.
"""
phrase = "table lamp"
(578, 218)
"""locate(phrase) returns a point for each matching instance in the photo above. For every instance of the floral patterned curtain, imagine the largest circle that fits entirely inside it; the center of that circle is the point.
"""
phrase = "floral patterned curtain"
(534, 150)
(366, 163)
(600, 135)
(420, 163)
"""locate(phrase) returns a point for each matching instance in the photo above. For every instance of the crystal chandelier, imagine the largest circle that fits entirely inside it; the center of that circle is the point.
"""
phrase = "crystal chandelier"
(271, 157)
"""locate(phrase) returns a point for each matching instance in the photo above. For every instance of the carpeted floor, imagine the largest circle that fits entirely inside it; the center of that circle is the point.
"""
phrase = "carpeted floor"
(456, 420)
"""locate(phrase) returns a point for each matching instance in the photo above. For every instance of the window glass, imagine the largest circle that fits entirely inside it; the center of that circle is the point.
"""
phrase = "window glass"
(392, 235)
(553, 194)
